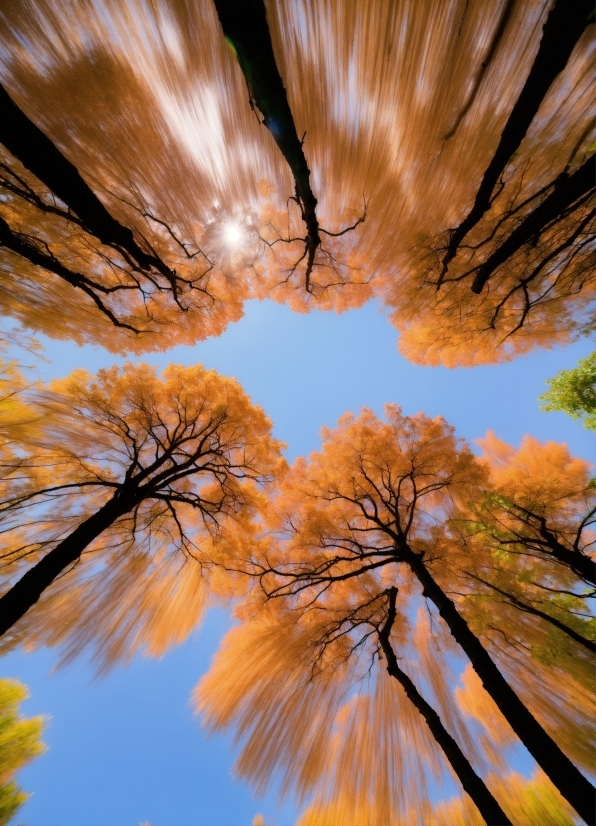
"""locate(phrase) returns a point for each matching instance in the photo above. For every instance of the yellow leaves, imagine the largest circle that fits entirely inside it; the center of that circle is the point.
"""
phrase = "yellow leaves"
(526, 801)
(19, 744)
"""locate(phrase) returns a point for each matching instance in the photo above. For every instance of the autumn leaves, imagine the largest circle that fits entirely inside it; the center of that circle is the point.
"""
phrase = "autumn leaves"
(418, 213)
(149, 474)
(132, 502)
(388, 516)
(401, 602)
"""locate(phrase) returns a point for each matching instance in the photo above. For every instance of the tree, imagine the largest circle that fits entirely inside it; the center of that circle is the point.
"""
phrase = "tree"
(61, 230)
(316, 712)
(246, 29)
(367, 513)
(534, 250)
(137, 111)
(153, 480)
(40, 156)
(560, 35)
(574, 392)
(19, 744)
(541, 504)
(526, 243)
(487, 805)
(529, 801)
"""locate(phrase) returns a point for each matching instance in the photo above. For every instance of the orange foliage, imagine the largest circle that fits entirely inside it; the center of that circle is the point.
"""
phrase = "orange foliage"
(526, 801)
(528, 606)
(150, 103)
(197, 451)
(340, 279)
(326, 719)
(309, 701)
(204, 293)
(299, 678)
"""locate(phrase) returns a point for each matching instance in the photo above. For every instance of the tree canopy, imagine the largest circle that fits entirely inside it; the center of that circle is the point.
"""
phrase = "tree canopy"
(409, 607)
(364, 535)
(477, 207)
(128, 490)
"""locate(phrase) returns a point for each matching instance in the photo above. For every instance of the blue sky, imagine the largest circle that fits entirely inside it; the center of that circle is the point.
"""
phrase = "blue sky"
(126, 748)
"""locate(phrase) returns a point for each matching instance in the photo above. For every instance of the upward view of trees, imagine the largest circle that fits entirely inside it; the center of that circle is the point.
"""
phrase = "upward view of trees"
(405, 606)
(158, 479)
(366, 531)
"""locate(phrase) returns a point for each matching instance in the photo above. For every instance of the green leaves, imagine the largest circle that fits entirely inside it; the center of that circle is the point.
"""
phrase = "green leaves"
(574, 392)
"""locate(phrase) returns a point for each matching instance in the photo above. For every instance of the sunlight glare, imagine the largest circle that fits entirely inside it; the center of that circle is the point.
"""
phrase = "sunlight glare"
(233, 234)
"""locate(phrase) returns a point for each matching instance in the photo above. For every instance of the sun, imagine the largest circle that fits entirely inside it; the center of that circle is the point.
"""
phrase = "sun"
(233, 233)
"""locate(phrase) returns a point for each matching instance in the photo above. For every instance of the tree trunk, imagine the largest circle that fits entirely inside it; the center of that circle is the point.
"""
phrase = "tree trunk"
(567, 191)
(579, 563)
(472, 783)
(574, 787)
(40, 156)
(27, 250)
(245, 27)
(564, 26)
(25, 593)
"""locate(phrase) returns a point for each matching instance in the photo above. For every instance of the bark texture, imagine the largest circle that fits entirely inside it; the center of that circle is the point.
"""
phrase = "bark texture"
(567, 778)
(562, 30)
(471, 782)
(246, 29)
(25, 593)
(39, 155)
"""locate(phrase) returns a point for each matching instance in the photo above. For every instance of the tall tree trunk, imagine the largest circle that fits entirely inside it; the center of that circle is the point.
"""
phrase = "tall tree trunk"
(472, 783)
(574, 787)
(40, 156)
(245, 27)
(568, 190)
(25, 593)
(564, 26)
(579, 563)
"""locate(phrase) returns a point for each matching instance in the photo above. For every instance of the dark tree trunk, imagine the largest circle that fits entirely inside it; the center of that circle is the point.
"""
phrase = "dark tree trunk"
(245, 27)
(568, 190)
(40, 156)
(564, 26)
(579, 563)
(472, 783)
(27, 250)
(25, 593)
(574, 787)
